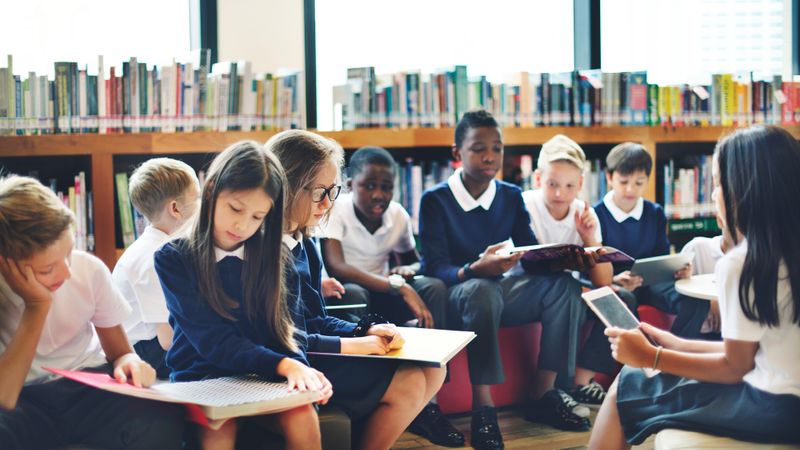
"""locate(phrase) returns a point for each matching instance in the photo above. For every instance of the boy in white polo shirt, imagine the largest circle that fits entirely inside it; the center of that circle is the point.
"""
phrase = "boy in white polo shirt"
(559, 217)
(366, 230)
(166, 191)
(59, 309)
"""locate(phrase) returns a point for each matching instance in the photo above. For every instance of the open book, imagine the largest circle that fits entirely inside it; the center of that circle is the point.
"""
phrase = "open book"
(554, 252)
(209, 402)
(424, 346)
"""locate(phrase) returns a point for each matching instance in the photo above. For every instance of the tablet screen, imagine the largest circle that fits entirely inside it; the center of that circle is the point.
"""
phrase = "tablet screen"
(615, 312)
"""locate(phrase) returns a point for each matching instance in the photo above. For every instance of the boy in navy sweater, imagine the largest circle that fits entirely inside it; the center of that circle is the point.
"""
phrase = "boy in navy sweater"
(463, 222)
(638, 227)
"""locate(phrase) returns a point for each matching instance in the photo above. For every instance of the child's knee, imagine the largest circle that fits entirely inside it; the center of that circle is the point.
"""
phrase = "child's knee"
(408, 385)
(301, 426)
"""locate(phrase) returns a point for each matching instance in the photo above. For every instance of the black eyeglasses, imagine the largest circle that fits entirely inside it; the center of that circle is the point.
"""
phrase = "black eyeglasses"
(318, 193)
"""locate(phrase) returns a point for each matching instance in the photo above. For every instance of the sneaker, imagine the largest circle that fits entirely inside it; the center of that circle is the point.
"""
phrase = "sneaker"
(485, 431)
(434, 426)
(591, 395)
(556, 408)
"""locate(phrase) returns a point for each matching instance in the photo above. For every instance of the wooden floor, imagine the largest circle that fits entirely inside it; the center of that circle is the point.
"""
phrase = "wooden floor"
(517, 433)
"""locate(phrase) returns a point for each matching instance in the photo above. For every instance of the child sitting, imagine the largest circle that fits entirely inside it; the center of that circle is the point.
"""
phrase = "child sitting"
(638, 227)
(166, 192)
(559, 217)
(748, 386)
(365, 229)
(59, 309)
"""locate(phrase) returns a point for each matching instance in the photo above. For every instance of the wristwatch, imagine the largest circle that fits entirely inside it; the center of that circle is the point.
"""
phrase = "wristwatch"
(468, 272)
(395, 283)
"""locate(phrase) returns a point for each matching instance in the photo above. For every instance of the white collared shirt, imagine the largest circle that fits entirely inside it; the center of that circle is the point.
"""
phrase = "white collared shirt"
(707, 251)
(135, 277)
(549, 230)
(620, 215)
(86, 300)
(291, 241)
(370, 251)
(220, 254)
(463, 197)
(776, 370)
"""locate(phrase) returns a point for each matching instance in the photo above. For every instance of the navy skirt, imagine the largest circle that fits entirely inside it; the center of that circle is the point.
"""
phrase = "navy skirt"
(740, 411)
(358, 383)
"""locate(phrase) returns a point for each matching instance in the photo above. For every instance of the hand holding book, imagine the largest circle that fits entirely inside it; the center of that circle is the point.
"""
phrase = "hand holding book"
(496, 260)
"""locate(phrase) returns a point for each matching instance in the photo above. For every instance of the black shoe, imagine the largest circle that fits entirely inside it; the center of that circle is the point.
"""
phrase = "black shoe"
(434, 426)
(555, 409)
(591, 395)
(485, 431)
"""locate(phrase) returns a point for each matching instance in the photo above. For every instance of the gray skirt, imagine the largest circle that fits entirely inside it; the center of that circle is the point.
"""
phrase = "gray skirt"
(740, 411)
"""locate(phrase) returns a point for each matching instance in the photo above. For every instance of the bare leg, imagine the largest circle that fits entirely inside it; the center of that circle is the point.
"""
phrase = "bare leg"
(403, 400)
(222, 439)
(607, 432)
(300, 427)
(545, 380)
(583, 376)
(434, 377)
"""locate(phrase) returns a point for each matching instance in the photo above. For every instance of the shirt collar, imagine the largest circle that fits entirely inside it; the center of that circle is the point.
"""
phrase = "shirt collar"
(620, 215)
(464, 199)
(290, 241)
(220, 254)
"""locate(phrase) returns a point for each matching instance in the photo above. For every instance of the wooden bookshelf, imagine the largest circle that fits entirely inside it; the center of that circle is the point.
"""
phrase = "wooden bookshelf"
(102, 149)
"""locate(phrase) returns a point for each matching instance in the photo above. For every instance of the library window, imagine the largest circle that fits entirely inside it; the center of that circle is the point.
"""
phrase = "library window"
(685, 41)
(44, 31)
(495, 40)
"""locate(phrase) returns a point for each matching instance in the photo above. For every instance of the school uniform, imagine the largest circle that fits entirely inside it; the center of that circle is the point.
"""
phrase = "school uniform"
(371, 252)
(763, 408)
(135, 277)
(206, 344)
(358, 383)
(595, 355)
(54, 412)
(642, 233)
(707, 251)
(455, 229)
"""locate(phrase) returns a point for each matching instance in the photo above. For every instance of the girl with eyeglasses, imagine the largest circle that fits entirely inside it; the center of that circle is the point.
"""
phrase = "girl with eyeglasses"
(382, 394)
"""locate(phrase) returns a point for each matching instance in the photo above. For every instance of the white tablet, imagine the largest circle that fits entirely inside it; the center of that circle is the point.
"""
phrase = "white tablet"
(613, 312)
(659, 269)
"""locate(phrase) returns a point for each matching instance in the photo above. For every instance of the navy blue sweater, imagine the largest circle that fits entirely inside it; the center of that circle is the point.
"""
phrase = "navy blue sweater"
(205, 344)
(641, 238)
(304, 287)
(451, 237)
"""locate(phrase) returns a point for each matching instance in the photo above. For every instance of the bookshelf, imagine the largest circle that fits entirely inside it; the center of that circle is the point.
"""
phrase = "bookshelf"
(101, 150)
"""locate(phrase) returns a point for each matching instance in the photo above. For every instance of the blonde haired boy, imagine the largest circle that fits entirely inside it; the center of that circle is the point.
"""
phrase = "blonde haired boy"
(559, 217)
(166, 191)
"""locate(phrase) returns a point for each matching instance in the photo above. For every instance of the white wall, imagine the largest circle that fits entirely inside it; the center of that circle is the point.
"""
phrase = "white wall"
(269, 33)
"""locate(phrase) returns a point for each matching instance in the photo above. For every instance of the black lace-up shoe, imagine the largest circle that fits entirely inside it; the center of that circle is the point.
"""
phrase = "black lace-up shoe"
(434, 426)
(485, 431)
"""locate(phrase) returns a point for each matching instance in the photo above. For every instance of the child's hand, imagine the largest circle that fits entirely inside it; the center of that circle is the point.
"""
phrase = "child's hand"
(404, 271)
(332, 288)
(367, 345)
(24, 283)
(579, 260)
(712, 321)
(630, 347)
(684, 272)
(301, 377)
(586, 225)
(628, 280)
(491, 264)
(661, 337)
(129, 367)
(389, 333)
(417, 306)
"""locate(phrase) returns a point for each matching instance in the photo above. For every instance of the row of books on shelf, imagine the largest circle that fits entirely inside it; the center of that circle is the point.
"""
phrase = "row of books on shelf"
(594, 178)
(577, 98)
(137, 97)
(687, 191)
(78, 199)
(415, 177)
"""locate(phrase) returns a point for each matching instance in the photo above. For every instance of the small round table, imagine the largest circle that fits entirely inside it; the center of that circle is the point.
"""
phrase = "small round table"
(698, 286)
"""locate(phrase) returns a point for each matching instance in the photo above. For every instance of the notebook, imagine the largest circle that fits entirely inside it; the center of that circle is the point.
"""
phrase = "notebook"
(424, 346)
(209, 402)
(554, 252)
